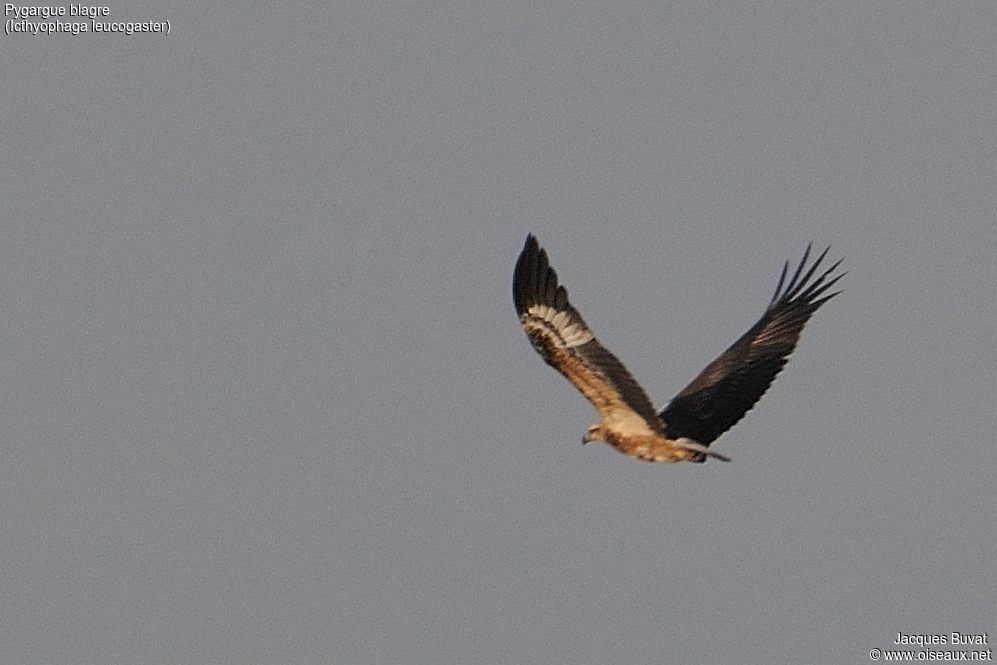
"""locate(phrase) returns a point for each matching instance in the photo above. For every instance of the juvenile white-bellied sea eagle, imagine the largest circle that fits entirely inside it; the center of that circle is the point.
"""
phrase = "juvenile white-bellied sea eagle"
(715, 400)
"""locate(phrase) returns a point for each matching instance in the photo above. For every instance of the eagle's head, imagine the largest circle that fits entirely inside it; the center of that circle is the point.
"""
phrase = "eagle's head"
(594, 433)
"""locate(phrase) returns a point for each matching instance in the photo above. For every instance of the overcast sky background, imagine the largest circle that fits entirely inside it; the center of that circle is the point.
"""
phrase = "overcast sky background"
(265, 399)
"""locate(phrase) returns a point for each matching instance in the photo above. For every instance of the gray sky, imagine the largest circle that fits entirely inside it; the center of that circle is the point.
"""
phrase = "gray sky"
(265, 398)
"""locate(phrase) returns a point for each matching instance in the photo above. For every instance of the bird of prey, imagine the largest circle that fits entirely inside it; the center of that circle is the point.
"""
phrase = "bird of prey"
(715, 400)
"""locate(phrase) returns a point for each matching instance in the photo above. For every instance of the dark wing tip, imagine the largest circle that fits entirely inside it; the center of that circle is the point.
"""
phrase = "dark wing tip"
(524, 277)
(534, 280)
(803, 287)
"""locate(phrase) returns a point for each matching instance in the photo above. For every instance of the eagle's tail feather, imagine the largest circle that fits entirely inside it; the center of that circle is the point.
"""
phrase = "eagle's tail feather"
(694, 446)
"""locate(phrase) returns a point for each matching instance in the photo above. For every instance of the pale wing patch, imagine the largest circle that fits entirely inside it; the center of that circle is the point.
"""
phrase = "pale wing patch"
(560, 325)
(627, 422)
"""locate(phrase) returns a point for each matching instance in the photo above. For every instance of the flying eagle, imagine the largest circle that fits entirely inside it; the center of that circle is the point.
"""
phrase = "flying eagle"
(715, 400)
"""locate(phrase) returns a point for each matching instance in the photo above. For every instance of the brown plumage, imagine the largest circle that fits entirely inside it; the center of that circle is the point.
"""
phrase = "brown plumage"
(715, 400)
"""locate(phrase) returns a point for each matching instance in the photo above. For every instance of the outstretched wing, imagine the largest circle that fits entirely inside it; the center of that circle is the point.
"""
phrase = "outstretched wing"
(731, 385)
(561, 337)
